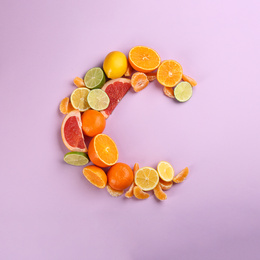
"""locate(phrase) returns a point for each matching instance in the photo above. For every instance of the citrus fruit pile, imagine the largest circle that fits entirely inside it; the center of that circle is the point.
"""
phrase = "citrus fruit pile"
(93, 101)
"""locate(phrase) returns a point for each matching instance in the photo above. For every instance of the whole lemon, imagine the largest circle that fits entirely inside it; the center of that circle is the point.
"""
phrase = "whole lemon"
(115, 64)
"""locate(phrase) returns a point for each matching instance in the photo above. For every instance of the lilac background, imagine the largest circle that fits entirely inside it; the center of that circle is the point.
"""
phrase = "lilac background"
(49, 211)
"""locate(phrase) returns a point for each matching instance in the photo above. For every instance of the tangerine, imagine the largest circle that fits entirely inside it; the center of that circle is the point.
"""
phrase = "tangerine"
(93, 122)
(120, 176)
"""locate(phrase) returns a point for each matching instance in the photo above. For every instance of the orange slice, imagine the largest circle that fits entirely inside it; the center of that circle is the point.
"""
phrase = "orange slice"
(169, 73)
(159, 194)
(64, 105)
(130, 192)
(113, 192)
(144, 59)
(189, 79)
(79, 82)
(180, 177)
(151, 76)
(140, 194)
(165, 185)
(102, 151)
(95, 176)
(139, 81)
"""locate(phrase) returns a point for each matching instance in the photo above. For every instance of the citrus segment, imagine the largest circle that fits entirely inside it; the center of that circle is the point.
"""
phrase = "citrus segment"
(98, 99)
(102, 151)
(120, 176)
(144, 59)
(113, 192)
(151, 76)
(140, 194)
(183, 91)
(189, 79)
(165, 170)
(71, 132)
(169, 73)
(130, 192)
(129, 70)
(165, 185)
(115, 64)
(78, 99)
(95, 176)
(64, 105)
(94, 78)
(76, 158)
(146, 178)
(93, 122)
(116, 90)
(168, 92)
(70, 108)
(180, 177)
(78, 82)
(159, 194)
(139, 81)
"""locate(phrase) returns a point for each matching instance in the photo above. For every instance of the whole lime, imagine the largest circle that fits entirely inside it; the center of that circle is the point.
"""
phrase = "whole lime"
(115, 64)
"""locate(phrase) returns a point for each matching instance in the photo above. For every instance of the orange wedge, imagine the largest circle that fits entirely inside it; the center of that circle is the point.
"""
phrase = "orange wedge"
(165, 185)
(95, 176)
(130, 192)
(159, 194)
(180, 177)
(79, 82)
(139, 81)
(144, 59)
(168, 92)
(140, 194)
(113, 192)
(102, 151)
(64, 105)
(189, 79)
(169, 73)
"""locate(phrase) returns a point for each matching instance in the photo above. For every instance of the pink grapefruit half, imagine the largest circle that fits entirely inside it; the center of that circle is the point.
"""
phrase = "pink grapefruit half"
(71, 132)
(115, 89)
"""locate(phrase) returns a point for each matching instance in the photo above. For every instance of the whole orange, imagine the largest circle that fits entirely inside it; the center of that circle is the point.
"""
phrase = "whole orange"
(120, 176)
(93, 122)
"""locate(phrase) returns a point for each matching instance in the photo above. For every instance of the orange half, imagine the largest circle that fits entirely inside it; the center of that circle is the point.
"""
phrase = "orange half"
(144, 59)
(169, 73)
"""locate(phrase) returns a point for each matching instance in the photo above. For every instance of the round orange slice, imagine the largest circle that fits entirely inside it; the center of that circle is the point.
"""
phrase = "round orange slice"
(102, 151)
(169, 73)
(71, 132)
(144, 59)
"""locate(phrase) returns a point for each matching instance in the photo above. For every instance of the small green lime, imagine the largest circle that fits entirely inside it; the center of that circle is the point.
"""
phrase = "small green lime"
(183, 91)
(76, 158)
(98, 99)
(95, 78)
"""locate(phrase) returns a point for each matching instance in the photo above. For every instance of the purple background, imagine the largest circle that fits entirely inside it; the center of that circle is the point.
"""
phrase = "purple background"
(48, 209)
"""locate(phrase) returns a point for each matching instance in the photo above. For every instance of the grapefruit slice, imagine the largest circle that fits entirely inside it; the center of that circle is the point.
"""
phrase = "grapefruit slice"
(115, 89)
(71, 132)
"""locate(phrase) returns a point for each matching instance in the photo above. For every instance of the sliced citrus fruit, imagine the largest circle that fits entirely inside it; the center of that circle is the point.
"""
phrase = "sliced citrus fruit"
(130, 192)
(116, 90)
(71, 132)
(166, 185)
(159, 194)
(70, 107)
(151, 76)
(180, 177)
(146, 178)
(168, 92)
(76, 158)
(120, 176)
(113, 192)
(189, 79)
(139, 81)
(102, 151)
(115, 64)
(95, 176)
(169, 73)
(94, 78)
(78, 99)
(79, 82)
(129, 70)
(98, 99)
(140, 194)
(165, 170)
(64, 105)
(183, 91)
(144, 59)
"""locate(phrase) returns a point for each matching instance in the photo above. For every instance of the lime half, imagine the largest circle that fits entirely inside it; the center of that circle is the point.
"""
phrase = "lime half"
(76, 158)
(98, 99)
(183, 91)
(78, 99)
(94, 78)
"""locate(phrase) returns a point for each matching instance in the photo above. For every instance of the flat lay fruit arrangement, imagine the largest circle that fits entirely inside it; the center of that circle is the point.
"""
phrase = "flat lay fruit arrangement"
(93, 101)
